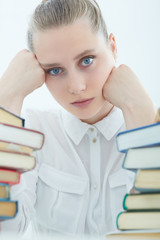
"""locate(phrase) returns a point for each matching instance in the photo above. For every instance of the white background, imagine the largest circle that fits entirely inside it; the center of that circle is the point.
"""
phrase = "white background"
(135, 24)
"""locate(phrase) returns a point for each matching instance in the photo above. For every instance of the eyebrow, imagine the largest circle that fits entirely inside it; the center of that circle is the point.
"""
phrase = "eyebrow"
(50, 65)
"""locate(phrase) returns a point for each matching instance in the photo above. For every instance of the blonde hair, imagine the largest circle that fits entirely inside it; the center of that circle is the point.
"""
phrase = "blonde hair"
(57, 13)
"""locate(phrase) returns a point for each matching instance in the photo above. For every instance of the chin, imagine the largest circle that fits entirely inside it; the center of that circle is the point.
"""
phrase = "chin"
(83, 116)
(88, 116)
(93, 115)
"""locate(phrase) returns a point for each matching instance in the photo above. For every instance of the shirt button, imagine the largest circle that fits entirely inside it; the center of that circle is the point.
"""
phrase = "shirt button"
(91, 129)
(95, 186)
(94, 140)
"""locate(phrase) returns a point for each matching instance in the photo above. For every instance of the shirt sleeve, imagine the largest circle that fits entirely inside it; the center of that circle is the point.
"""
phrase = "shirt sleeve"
(25, 194)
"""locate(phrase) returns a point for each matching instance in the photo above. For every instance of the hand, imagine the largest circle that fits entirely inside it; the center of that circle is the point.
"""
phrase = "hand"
(124, 90)
(23, 74)
(123, 87)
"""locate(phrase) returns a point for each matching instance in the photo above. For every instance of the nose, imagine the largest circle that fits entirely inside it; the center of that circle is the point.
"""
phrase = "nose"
(76, 83)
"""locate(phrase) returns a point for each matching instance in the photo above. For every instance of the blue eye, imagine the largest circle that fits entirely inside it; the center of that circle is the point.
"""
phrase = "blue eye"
(54, 71)
(87, 61)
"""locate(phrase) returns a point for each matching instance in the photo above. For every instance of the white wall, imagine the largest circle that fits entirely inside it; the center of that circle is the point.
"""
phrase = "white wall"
(135, 23)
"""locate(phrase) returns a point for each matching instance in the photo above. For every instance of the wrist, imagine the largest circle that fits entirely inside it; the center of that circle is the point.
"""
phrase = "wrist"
(137, 114)
(10, 100)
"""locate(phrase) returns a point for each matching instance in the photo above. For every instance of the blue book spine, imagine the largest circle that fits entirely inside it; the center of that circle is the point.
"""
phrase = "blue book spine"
(7, 189)
(136, 130)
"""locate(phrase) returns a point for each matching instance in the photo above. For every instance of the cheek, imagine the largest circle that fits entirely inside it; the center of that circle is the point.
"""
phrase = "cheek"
(107, 67)
(54, 87)
(101, 74)
(49, 85)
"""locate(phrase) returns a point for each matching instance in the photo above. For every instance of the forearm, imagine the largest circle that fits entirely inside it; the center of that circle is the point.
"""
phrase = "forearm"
(124, 90)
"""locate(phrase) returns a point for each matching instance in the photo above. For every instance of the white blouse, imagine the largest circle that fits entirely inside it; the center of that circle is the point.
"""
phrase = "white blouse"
(78, 184)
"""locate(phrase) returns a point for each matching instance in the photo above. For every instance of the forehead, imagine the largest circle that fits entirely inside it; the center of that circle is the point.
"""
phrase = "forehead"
(70, 39)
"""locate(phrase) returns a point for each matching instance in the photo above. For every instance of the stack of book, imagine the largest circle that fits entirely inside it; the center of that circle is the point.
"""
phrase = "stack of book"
(142, 155)
(17, 145)
(134, 235)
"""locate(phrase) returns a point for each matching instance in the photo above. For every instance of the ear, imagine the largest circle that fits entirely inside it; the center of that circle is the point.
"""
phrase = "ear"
(113, 46)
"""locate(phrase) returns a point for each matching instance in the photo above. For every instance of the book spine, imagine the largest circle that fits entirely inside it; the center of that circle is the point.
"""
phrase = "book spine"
(23, 122)
(124, 202)
(124, 159)
(117, 219)
(13, 114)
(7, 189)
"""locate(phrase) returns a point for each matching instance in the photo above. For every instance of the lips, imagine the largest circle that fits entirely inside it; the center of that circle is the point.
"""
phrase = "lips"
(82, 102)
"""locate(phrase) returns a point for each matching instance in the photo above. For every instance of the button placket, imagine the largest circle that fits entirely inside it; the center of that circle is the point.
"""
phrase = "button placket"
(94, 140)
(95, 160)
(93, 134)
(95, 156)
(95, 186)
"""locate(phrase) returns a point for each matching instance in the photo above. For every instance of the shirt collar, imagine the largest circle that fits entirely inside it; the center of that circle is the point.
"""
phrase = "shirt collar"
(75, 128)
(108, 126)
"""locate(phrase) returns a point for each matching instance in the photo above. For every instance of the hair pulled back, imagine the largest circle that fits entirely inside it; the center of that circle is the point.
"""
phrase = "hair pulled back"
(56, 13)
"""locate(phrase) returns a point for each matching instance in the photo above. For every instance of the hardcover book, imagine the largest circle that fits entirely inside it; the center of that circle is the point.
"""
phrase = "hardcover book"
(4, 191)
(142, 201)
(132, 220)
(23, 136)
(147, 180)
(10, 177)
(8, 209)
(134, 235)
(11, 118)
(138, 137)
(12, 147)
(142, 158)
(18, 161)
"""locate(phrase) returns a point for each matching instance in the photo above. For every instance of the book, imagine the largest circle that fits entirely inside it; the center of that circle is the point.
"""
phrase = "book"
(23, 136)
(4, 191)
(142, 201)
(11, 118)
(138, 137)
(8, 209)
(10, 177)
(132, 220)
(157, 118)
(16, 160)
(133, 235)
(142, 154)
(142, 158)
(147, 180)
(7, 146)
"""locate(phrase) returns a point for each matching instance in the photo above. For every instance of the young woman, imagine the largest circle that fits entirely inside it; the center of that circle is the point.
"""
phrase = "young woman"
(78, 185)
